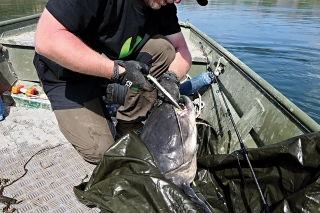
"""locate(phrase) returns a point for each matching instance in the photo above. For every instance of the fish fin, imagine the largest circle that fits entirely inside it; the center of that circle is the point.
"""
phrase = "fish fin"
(192, 195)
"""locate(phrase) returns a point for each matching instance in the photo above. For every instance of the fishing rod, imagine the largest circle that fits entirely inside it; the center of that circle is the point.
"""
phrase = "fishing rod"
(215, 74)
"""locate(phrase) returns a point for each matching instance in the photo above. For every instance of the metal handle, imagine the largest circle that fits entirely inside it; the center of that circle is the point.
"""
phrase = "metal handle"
(164, 91)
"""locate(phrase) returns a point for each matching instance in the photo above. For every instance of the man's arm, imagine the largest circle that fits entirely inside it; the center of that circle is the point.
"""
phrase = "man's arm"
(182, 62)
(55, 42)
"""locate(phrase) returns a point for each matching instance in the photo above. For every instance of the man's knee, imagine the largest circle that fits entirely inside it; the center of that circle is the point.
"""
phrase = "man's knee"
(94, 154)
(91, 150)
(163, 48)
(159, 53)
(87, 130)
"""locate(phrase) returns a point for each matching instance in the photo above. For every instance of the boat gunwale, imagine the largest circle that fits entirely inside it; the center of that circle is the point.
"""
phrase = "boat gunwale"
(290, 108)
(19, 20)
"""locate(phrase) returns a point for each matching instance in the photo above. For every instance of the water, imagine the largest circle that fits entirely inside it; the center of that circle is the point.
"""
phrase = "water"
(278, 39)
(10, 9)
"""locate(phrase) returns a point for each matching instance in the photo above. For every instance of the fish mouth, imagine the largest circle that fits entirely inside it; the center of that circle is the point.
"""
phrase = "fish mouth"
(186, 105)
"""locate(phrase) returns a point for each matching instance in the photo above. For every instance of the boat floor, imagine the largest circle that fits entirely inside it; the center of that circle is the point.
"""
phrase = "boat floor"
(41, 165)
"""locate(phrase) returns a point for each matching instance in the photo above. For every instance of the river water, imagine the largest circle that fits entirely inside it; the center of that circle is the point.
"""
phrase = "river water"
(278, 39)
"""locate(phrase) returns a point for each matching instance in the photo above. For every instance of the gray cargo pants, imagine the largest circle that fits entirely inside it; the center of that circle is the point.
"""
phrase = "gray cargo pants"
(90, 132)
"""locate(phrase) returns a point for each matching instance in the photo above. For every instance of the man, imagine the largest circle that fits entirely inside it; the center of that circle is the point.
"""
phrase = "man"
(82, 44)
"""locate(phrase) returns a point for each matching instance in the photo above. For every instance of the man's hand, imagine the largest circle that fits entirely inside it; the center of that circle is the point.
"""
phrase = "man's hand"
(134, 75)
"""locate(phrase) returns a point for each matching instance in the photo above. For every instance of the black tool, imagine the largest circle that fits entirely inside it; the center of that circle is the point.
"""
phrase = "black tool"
(243, 148)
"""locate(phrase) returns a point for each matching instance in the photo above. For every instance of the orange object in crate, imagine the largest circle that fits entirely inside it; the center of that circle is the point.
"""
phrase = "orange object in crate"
(16, 89)
(19, 88)
(31, 91)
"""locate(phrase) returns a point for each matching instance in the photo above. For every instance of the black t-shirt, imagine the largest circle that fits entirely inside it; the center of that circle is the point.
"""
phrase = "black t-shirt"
(117, 28)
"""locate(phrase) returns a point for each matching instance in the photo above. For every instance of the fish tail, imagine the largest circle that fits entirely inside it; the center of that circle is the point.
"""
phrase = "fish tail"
(192, 195)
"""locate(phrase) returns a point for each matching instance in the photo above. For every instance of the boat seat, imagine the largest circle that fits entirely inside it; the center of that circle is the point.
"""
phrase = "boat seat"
(230, 142)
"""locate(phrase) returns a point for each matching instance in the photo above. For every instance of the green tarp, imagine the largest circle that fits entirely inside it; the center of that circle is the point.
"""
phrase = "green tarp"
(127, 179)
